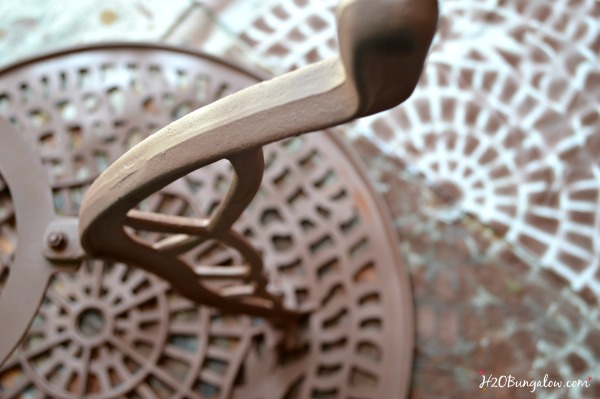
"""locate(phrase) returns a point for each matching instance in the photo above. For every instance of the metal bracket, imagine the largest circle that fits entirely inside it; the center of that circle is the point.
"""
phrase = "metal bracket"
(61, 241)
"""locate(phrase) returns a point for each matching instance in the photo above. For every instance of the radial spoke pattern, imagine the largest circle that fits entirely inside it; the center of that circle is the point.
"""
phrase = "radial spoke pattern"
(503, 125)
(498, 149)
(113, 331)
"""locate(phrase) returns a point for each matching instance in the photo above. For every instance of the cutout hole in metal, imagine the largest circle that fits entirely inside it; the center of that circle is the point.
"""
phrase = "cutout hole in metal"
(91, 322)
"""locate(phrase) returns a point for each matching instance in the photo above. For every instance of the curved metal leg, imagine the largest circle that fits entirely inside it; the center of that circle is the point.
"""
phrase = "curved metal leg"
(378, 39)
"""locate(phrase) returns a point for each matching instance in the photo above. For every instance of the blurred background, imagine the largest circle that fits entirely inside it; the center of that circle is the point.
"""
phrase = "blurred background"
(491, 169)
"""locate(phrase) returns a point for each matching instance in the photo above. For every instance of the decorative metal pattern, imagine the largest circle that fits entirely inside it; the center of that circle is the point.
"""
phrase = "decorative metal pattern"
(8, 232)
(513, 135)
(503, 125)
(294, 33)
(503, 128)
(108, 330)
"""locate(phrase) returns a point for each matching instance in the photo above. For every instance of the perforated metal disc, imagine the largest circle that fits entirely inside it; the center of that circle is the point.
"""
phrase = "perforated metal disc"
(109, 330)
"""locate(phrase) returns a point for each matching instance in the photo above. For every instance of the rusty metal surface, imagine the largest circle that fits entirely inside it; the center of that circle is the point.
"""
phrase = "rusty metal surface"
(109, 330)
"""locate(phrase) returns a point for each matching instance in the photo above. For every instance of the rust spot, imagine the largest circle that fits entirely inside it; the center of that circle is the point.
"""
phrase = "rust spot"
(108, 17)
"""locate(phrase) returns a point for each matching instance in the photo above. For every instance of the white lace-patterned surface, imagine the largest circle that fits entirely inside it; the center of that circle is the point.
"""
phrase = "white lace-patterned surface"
(504, 131)
(294, 33)
(504, 124)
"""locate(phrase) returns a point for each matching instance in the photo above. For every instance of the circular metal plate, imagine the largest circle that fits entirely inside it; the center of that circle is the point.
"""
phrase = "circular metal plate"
(109, 330)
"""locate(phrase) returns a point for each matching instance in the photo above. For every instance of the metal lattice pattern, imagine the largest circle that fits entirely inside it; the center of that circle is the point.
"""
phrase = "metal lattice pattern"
(294, 33)
(503, 124)
(513, 135)
(102, 333)
(503, 129)
(8, 233)
(108, 330)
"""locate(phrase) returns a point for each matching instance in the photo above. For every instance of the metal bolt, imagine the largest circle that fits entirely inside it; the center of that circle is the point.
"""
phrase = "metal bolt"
(56, 240)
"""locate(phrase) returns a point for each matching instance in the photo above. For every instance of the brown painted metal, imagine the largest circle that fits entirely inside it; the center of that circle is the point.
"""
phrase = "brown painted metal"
(361, 330)
(314, 241)
(62, 241)
(378, 39)
(69, 107)
(31, 203)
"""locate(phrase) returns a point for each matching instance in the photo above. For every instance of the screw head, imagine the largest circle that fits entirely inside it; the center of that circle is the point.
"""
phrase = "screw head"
(56, 240)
